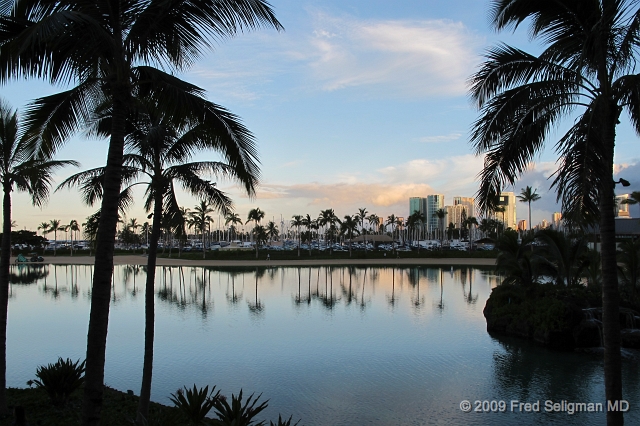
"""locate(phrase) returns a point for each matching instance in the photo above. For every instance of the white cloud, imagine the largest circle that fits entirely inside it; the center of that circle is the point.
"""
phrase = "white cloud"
(382, 58)
(441, 138)
(403, 58)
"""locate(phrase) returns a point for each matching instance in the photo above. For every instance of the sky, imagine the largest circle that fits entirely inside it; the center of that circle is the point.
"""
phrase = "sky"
(356, 104)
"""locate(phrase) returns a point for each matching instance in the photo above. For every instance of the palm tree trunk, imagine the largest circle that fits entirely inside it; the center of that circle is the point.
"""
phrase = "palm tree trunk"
(5, 259)
(149, 315)
(103, 270)
(610, 292)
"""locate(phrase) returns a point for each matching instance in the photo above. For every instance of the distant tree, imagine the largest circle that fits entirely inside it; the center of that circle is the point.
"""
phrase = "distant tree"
(91, 230)
(272, 231)
(528, 195)
(349, 228)
(441, 213)
(72, 227)
(360, 217)
(54, 226)
(297, 222)
(255, 215)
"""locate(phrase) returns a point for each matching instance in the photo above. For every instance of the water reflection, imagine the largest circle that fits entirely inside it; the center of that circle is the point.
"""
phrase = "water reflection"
(330, 345)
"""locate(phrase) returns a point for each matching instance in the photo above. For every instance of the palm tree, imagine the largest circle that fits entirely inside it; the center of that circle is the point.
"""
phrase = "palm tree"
(106, 47)
(157, 156)
(528, 195)
(91, 230)
(272, 231)
(391, 220)
(327, 218)
(200, 219)
(297, 221)
(233, 219)
(374, 221)
(255, 215)
(414, 221)
(307, 222)
(587, 69)
(441, 213)
(21, 171)
(348, 228)
(72, 227)
(44, 227)
(54, 226)
(360, 217)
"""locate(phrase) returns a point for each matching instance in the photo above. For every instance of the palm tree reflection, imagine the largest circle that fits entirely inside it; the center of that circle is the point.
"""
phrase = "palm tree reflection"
(256, 307)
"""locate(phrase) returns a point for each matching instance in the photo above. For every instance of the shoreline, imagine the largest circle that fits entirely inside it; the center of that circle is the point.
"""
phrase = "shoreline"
(163, 261)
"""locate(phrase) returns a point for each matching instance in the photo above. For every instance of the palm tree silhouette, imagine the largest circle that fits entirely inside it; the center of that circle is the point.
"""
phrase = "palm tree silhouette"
(587, 69)
(21, 171)
(272, 231)
(441, 213)
(528, 195)
(107, 48)
(159, 152)
(297, 221)
(200, 219)
(349, 227)
(72, 227)
(54, 226)
(233, 219)
(255, 215)
(360, 217)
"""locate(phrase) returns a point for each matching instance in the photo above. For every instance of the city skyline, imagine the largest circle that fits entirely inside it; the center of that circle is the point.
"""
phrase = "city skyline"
(356, 104)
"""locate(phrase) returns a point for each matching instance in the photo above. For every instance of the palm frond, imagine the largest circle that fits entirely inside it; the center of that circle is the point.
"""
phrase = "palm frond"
(177, 35)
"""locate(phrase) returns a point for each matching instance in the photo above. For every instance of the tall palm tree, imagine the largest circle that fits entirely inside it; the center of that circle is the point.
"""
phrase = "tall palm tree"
(21, 171)
(328, 219)
(441, 213)
(391, 220)
(201, 220)
(157, 157)
(233, 219)
(307, 222)
(272, 231)
(360, 217)
(297, 221)
(44, 227)
(91, 230)
(587, 69)
(374, 221)
(528, 195)
(255, 215)
(55, 226)
(349, 228)
(72, 227)
(107, 46)
(414, 221)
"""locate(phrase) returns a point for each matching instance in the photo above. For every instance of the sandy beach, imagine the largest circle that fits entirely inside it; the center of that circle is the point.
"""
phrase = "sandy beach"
(142, 260)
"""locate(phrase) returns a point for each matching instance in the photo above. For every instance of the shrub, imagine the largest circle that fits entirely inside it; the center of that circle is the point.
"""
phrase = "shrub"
(239, 414)
(59, 380)
(282, 422)
(195, 403)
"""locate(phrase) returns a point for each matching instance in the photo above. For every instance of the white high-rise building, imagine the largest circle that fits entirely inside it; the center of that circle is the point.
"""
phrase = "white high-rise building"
(508, 201)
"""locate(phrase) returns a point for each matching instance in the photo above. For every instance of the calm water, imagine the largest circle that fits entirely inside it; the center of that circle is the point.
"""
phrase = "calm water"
(330, 345)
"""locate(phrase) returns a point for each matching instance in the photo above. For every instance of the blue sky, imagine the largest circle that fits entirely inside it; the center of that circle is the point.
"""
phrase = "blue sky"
(356, 104)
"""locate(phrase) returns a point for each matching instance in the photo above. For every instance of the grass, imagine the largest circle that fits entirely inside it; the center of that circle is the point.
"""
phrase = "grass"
(118, 408)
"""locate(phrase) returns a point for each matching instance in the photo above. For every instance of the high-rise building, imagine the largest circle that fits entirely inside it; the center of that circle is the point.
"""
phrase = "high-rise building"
(468, 203)
(418, 204)
(522, 225)
(435, 202)
(555, 220)
(508, 201)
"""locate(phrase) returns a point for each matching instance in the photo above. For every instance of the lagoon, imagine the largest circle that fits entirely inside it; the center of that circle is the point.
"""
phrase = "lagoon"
(329, 345)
